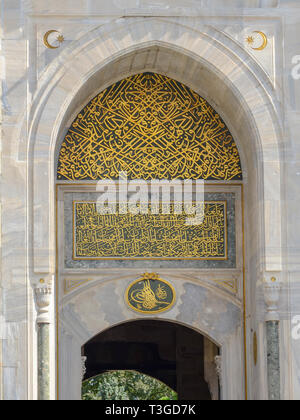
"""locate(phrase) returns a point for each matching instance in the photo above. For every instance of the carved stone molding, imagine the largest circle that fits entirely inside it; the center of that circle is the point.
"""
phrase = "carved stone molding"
(218, 363)
(83, 366)
(43, 300)
(272, 288)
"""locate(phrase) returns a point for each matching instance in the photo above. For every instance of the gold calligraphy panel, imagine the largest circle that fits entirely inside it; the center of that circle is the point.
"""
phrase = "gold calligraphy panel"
(151, 127)
(149, 236)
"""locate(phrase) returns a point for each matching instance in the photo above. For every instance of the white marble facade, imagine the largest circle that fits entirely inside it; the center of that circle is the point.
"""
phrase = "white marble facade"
(201, 43)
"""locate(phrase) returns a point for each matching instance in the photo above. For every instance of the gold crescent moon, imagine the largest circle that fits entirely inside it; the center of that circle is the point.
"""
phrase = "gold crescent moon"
(265, 41)
(46, 39)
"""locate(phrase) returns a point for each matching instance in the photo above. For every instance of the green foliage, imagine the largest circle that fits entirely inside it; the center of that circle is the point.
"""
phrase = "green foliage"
(126, 385)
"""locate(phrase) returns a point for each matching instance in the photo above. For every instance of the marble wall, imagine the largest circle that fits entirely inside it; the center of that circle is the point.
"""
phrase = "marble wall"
(200, 43)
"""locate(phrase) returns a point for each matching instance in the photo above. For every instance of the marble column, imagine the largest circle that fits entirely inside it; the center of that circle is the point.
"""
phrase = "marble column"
(43, 299)
(272, 294)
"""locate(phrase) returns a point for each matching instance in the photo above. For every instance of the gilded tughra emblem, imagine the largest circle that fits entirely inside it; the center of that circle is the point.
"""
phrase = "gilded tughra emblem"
(150, 294)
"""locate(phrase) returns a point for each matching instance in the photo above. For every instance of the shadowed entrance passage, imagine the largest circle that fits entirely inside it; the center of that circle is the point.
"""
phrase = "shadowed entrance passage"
(176, 355)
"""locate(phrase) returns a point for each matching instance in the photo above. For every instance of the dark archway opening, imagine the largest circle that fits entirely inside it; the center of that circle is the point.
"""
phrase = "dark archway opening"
(178, 356)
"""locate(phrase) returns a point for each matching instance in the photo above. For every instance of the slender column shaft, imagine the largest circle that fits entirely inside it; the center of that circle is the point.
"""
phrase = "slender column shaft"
(272, 289)
(273, 360)
(43, 299)
(43, 362)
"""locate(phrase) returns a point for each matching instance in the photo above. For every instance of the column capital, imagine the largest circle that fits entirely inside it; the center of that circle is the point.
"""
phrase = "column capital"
(272, 287)
(43, 296)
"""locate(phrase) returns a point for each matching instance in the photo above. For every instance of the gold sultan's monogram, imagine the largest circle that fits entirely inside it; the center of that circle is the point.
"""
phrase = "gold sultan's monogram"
(150, 294)
(149, 236)
(147, 299)
(150, 127)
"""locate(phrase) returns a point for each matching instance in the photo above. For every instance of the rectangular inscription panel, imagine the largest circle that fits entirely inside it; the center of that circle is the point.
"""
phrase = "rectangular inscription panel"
(148, 236)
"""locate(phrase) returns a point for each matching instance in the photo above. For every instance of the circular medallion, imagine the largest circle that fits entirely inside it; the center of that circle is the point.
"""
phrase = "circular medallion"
(150, 294)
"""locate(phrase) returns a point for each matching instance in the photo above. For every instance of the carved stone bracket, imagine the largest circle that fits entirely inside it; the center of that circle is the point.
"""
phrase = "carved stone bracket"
(43, 300)
(272, 288)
